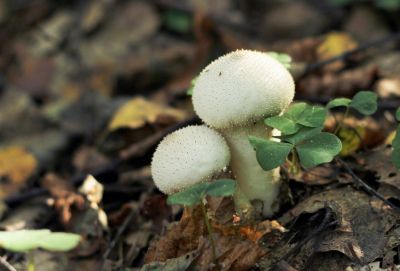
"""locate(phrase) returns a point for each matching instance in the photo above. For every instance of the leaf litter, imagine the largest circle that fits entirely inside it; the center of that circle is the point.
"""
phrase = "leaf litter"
(92, 88)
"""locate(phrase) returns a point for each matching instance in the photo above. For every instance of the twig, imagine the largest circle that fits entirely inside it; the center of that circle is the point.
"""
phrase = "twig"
(6, 264)
(120, 231)
(367, 188)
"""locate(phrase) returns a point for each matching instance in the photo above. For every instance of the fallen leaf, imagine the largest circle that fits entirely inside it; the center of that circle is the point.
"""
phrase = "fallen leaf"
(332, 84)
(333, 221)
(379, 162)
(388, 87)
(93, 190)
(323, 175)
(64, 197)
(181, 263)
(138, 112)
(357, 133)
(334, 44)
(16, 166)
(233, 251)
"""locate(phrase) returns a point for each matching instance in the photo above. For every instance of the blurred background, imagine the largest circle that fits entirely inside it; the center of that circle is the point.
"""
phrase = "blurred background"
(92, 86)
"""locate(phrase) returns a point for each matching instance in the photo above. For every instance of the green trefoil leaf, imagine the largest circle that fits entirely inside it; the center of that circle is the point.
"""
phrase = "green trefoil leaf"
(270, 154)
(319, 149)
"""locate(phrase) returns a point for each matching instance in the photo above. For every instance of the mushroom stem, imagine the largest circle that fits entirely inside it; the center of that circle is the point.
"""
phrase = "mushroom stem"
(260, 187)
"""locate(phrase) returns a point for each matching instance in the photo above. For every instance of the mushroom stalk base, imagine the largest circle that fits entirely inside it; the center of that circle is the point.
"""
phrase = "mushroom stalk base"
(260, 187)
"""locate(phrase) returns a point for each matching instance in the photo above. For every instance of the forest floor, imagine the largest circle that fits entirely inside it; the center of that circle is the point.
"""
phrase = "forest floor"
(89, 88)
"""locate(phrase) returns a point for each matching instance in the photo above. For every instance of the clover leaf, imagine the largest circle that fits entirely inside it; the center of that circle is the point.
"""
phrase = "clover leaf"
(282, 123)
(338, 102)
(321, 148)
(398, 114)
(194, 194)
(365, 102)
(297, 116)
(270, 154)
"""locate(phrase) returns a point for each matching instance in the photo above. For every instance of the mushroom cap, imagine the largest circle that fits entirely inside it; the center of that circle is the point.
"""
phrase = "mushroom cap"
(241, 87)
(188, 156)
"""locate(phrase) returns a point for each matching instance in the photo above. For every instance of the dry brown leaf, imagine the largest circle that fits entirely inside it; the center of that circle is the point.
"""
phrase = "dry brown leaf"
(236, 246)
(16, 166)
(388, 87)
(323, 175)
(378, 161)
(354, 214)
(346, 83)
(89, 159)
(64, 197)
(138, 112)
(334, 44)
(357, 133)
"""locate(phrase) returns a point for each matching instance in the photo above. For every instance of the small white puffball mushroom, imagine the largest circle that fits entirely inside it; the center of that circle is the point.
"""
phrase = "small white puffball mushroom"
(234, 94)
(188, 156)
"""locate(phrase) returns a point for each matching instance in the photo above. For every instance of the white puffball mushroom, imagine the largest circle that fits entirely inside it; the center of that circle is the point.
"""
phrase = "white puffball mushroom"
(234, 94)
(241, 87)
(188, 156)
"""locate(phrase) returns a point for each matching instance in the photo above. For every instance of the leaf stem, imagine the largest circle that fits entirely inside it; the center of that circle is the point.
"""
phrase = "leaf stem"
(294, 167)
(210, 234)
(31, 262)
(341, 122)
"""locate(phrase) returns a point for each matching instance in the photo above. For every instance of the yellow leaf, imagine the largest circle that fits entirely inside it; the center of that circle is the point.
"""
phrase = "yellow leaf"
(16, 166)
(334, 44)
(351, 139)
(138, 112)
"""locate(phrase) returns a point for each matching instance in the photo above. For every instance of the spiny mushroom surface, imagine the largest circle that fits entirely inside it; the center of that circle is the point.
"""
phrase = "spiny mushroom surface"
(241, 87)
(234, 94)
(188, 156)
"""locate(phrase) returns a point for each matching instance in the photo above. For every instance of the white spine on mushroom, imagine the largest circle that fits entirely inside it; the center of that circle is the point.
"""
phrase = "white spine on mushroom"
(234, 94)
(188, 156)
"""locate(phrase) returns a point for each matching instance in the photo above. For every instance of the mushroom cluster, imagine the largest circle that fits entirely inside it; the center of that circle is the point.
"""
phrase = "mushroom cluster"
(233, 95)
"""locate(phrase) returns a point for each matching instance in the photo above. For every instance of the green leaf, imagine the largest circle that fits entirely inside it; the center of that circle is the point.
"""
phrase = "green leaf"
(60, 241)
(365, 102)
(25, 240)
(321, 148)
(221, 188)
(338, 102)
(295, 111)
(312, 116)
(396, 157)
(270, 154)
(177, 21)
(189, 92)
(303, 134)
(283, 124)
(284, 59)
(398, 114)
(396, 139)
(189, 197)
(390, 5)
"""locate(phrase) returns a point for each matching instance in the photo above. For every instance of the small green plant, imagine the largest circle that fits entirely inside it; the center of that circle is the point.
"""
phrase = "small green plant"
(284, 59)
(364, 102)
(26, 241)
(195, 195)
(396, 143)
(301, 138)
